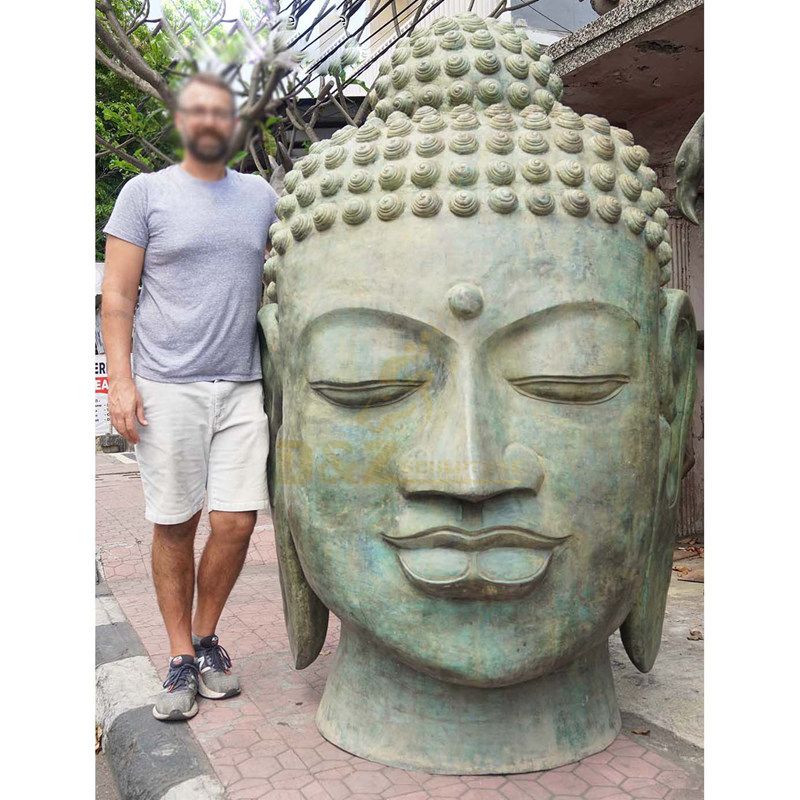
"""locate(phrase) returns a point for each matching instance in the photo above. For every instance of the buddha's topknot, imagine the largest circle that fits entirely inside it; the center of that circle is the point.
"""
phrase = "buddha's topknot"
(467, 116)
(465, 59)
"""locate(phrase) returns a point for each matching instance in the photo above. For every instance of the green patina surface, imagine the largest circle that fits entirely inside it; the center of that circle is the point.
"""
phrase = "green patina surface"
(478, 402)
(689, 167)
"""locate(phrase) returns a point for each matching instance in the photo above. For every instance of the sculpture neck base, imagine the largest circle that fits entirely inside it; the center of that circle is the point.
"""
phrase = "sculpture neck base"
(378, 708)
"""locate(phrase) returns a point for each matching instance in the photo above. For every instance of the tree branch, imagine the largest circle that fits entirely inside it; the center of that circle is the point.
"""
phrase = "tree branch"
(276, 75)
(363, 110)
(394, 19)
(120, 46)
(150, 146)
(286, 158)
(505, 7)
(132, 160)
(125, 74)
(316, 109)
(417, 16)
(251, 113)
(300, 125)
(216, 18)
(343, 105)
(184, 54)
(251, 146)
(255, 79)
(140, 18)
(524, 4)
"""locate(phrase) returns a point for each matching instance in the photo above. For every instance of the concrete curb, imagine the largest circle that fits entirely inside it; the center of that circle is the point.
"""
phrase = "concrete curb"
(150, 760)
(666, 743)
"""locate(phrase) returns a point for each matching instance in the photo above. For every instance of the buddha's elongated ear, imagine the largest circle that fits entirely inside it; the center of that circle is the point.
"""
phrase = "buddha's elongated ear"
(305, 615)
(641, 630)
(269, 341)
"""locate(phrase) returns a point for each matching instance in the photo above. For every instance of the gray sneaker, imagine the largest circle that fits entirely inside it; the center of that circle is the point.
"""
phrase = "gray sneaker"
(177, 701)
(214, 666)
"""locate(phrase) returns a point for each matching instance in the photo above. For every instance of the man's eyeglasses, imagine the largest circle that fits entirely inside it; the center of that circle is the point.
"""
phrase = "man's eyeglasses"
(198, 112)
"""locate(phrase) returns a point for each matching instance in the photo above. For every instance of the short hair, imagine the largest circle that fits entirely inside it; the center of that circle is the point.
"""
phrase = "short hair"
(209, 79)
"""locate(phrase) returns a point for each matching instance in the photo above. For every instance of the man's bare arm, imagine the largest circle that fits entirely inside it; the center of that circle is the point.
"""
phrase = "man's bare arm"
(123, 271)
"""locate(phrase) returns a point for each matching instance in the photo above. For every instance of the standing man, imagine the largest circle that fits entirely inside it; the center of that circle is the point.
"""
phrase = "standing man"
(195, 235)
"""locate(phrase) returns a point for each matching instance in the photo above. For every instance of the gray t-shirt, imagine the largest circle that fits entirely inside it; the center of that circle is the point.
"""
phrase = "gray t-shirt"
(201, 282)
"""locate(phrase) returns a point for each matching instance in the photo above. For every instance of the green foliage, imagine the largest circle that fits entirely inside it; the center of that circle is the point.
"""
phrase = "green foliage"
(270, 143)
(127, 118)
(191, 19)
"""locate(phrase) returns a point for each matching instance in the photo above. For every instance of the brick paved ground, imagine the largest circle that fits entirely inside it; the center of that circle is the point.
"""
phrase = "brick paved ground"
(263, 744)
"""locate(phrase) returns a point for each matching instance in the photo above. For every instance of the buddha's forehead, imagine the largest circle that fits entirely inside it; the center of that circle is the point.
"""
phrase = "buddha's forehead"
(411, 269)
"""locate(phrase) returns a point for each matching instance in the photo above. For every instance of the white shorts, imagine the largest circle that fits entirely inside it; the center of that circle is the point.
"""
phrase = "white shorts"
(204, 435)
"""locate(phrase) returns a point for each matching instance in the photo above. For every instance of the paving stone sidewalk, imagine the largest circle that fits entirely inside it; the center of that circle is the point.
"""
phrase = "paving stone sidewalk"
(263, 743)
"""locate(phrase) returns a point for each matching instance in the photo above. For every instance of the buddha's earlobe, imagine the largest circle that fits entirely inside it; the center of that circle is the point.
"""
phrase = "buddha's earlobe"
(641, 630)
(305, 614)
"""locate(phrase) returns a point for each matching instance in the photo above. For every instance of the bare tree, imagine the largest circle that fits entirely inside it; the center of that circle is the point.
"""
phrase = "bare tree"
(505, 5)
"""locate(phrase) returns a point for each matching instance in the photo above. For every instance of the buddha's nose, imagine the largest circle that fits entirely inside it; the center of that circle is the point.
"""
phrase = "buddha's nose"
(463, 449)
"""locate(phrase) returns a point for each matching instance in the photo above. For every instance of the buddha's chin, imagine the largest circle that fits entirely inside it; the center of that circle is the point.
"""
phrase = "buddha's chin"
(509, 668)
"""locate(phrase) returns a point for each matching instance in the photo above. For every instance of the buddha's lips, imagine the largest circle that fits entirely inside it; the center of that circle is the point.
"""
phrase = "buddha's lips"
(481, 539)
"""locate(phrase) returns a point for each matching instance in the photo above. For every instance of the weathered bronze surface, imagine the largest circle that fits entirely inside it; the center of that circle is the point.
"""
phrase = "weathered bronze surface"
(689, 165)
(479, 392)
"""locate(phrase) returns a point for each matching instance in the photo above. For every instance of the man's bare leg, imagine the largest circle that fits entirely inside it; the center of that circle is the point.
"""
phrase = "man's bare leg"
(173, 576)
(220, 565)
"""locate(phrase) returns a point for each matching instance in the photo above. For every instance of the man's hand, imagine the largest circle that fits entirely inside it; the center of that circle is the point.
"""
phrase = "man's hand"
(125, 407)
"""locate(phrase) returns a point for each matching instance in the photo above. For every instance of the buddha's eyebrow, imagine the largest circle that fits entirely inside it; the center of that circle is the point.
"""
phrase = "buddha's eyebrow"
(387, 319)
(565, 311)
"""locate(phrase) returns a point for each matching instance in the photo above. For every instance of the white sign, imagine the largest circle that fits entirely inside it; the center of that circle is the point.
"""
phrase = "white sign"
(102, 420)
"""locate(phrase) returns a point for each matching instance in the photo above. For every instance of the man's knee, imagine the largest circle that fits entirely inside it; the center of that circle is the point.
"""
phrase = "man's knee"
(233, 525)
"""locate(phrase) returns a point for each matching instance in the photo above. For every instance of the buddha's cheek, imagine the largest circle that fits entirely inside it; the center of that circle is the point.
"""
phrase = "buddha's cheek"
(341, 496)
(600, 487)
(600, 465)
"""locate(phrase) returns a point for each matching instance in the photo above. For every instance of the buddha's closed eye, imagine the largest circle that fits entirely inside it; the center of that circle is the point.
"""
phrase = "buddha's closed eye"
(365, 394)
(584, 389)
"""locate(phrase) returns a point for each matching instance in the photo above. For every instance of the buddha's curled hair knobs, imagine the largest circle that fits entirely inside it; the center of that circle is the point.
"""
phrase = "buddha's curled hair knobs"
(467, 120)
(324, 216)
(570, 172)
(503, 200)
(425, 174)
(355, 211)
(609, 209)
(389, 207)
(540, 202)
(602, 176)
(464, 203)
(426, 204)
(575, 202)
(300, 226)
(391, 177)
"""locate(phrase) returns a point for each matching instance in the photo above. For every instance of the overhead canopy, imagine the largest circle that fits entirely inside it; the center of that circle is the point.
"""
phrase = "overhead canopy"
(641, 66)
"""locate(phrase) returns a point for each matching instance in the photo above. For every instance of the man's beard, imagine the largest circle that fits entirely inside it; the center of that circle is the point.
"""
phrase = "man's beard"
(208, 154)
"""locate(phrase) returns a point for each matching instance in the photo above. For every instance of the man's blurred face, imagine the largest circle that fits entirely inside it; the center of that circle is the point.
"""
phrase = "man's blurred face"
(205, 120)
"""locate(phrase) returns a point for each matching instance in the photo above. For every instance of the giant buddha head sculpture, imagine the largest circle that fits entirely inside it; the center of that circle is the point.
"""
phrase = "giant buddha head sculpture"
(479, 392)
